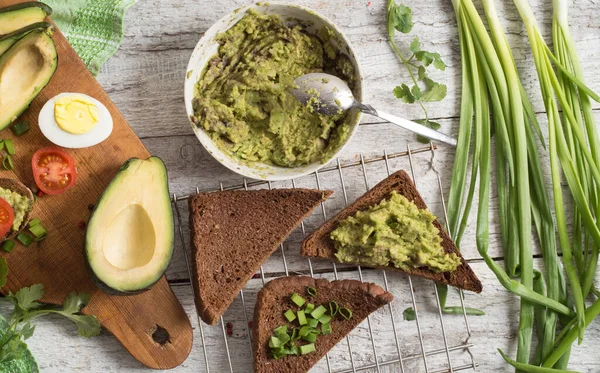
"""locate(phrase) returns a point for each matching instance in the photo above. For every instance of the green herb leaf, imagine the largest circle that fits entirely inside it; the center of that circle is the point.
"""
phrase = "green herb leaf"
(409, 313)
(401, 18)
(415, 46)
(3, 272)
(416, 92)
(422, 73)
(404, 93)
(27, 331)
(87, 326)
(27, 298)
(428, 58)
(434, 92)
(433, 125)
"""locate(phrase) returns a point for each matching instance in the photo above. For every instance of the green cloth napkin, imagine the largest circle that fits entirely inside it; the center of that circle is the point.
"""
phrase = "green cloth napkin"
(93, 27)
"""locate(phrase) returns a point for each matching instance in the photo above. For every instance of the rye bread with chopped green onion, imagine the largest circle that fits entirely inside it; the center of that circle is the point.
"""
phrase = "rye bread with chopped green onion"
(320, 245)
(274, 299)
(234, 233)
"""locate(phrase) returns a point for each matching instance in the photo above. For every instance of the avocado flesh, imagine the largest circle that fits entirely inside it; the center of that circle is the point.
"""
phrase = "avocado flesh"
(17, 16)
(129, 240)
(9, 40)
(25, 69)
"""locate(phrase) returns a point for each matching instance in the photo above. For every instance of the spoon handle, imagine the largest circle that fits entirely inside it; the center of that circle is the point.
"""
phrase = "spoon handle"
(417, 128)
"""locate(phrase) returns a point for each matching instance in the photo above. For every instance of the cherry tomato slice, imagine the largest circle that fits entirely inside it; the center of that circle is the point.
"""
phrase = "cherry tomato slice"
(53, 170)
(7, 217)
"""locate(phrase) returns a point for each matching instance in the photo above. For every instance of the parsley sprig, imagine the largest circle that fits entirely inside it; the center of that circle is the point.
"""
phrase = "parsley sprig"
(423, 88)
(27, 307)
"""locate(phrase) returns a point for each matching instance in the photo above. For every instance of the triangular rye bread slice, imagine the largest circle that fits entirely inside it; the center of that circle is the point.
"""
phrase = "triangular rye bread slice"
(234, 233)
(274, 299)
(319, 244)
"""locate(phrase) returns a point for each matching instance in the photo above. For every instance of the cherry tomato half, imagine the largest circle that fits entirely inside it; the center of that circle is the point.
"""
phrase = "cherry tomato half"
(53, 170)
(7, 217)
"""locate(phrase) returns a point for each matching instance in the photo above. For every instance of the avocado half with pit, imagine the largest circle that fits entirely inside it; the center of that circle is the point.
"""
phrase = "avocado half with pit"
(129, 239)
(25, 69)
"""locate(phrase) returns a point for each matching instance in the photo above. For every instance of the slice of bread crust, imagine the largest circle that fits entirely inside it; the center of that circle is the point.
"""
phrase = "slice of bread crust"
(274, 299)
(319, 244)
(20, 188)
(234, 233)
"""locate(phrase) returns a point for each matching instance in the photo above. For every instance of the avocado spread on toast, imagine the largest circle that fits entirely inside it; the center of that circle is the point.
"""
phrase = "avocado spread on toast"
(244, 102)
(394, 232)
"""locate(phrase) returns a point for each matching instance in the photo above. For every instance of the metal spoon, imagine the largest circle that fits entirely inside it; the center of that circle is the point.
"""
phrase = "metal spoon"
(329, 94)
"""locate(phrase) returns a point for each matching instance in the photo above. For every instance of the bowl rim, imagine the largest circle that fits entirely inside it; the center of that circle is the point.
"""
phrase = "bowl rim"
(247, 169)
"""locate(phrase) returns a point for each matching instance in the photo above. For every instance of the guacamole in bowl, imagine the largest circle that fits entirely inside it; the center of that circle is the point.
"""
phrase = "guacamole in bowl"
(240, 102)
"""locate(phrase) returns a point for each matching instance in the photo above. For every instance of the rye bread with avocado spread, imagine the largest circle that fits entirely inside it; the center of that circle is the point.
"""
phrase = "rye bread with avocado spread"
(244, 102)
(393, 232)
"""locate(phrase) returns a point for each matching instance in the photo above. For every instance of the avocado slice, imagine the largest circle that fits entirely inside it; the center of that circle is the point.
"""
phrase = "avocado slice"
(17, 16)
(9, 40)
(25, 69)
(129, 239)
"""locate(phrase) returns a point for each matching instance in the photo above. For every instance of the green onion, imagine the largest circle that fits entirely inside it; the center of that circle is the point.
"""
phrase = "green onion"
(34, 221)
(25, 238)
(274, 342)
(346, 313)
(318, 312)
(284, 338)
(326, 328)
(20, 128)
(8, 245)
(309, 308)
(305, 330)
(307, 349)
(280, 330)
(10, 148)
(301, 317)
(38, 231)
(294, 335)
(7, 162)
(333, 308)
(313, 323)
(325, 319)
(311, 291)
(289, 315)
(311, 337)
(298, 300)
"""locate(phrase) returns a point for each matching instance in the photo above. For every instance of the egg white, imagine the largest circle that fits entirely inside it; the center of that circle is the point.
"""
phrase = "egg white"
(60, 137)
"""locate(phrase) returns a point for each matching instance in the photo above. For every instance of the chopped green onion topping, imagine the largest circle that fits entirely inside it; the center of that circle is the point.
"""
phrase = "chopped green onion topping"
(10, 148)
(7, 162)
(309, 308)
(2, 145)
(311, 337)
(25, 238)
(289, 315)
(325, 319)
(274, 342)
(318, 312)
(295, 334)
(280, 330)
(346, 313)
(301, 318)
(8, 246)
(38, 231)
(284, 338)
(311, 291)
(326, 328)
(20, 128)
(313, 323)
(307, 349)
(333, 308)
(305, 330)
(33, 222)
(298, 300)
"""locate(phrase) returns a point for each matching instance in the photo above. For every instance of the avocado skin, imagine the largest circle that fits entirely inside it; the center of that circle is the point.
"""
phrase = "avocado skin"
(53, 64)
(99, 283)
(9, 40)
(45, 7)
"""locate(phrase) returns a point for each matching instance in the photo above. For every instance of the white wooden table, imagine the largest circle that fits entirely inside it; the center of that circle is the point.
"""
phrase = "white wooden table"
(145, 80)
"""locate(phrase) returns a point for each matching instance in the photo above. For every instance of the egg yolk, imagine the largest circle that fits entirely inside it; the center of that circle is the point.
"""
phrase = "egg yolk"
(76, 115)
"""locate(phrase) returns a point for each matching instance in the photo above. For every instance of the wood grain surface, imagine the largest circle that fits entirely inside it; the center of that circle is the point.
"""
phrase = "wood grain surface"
(58, 261)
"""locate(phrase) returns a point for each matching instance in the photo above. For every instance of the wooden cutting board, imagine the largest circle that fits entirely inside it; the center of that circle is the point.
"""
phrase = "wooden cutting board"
(58, 261)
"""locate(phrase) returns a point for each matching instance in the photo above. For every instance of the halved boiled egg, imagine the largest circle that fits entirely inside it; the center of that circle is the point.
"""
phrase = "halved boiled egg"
(75, 120)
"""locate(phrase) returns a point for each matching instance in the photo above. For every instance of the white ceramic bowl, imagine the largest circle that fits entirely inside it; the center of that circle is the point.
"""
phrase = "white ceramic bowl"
(207, 48)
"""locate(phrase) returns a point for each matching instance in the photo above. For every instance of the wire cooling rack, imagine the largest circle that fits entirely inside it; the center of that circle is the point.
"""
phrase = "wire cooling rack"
(432, 343)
